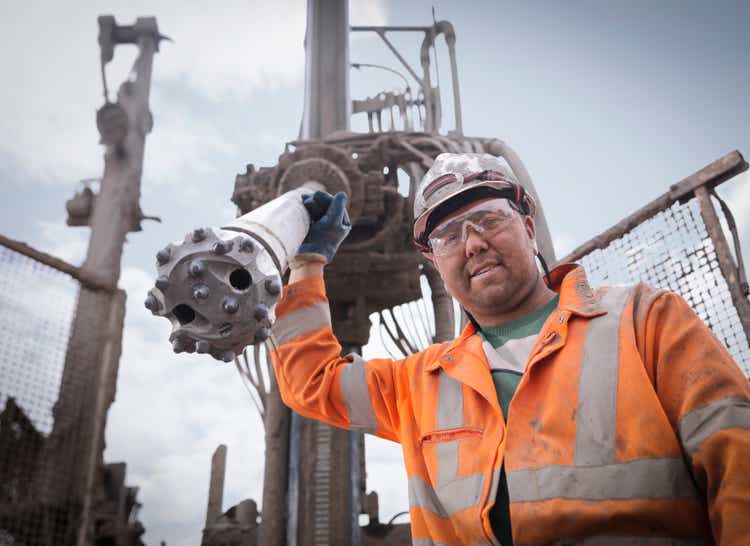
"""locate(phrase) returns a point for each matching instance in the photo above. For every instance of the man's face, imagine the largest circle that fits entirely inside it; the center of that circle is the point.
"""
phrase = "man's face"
(491, 268)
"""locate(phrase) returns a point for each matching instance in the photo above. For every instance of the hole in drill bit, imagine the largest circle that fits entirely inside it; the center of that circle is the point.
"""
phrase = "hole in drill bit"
(225, 329)
(184, 314)
(240, 279)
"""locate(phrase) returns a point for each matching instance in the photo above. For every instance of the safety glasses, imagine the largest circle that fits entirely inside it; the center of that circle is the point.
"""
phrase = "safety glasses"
(487, 219)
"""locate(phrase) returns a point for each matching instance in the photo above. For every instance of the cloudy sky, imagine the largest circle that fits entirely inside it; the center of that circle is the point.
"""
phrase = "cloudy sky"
(608, 103)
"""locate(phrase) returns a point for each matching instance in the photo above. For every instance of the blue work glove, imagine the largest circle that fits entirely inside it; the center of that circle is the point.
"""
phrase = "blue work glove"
(329, 228)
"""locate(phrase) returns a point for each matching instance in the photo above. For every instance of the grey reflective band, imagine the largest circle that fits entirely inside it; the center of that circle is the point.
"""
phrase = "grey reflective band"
(513, 355)
(422, 495)
(300, 322)
(701, 423)
(451, 498)
(494, 483)
(452, 494)
(356, 395)
(648, 478)
(450, 414)
(596, 416)
(427, 542)
(450, 404)
(611, 540)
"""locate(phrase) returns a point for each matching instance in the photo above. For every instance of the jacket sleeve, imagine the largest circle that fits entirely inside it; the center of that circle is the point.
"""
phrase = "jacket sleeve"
(707, 398)
(316, 381)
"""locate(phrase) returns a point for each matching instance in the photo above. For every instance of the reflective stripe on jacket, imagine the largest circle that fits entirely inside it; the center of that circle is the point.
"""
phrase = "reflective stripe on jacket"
(630, 426)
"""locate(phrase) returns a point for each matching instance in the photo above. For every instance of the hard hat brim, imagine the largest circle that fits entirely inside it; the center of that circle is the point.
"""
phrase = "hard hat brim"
(420, 223)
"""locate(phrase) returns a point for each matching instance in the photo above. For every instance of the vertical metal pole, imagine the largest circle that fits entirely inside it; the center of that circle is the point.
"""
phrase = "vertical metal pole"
(543, 236)
(327, 103)
(216, 484)
(292, 522)
(117, 211)
(323, 464)
(724, 256)
(450, 39)
(67, 476)
(276, 479)
(430, 123)
(105, 393)
(354, 454)
(354, 472)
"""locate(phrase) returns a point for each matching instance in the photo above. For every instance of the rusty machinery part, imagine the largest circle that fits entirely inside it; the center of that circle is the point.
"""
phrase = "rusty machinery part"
(254, 187)
(431, 145)
(112, 123)
(339, 157)
(218, 288)
(318, 169)
(80, 207)
(391, 150)
(393, 214)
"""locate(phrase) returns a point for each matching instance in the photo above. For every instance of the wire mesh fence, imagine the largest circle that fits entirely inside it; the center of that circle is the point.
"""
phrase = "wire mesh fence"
(37, 309)
(673, 250)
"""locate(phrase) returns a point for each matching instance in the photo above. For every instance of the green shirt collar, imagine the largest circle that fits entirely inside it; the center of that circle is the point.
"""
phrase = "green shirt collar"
(530, 324)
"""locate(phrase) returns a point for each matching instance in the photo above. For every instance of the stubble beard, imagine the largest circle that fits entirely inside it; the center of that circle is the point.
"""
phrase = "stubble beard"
(501, 297)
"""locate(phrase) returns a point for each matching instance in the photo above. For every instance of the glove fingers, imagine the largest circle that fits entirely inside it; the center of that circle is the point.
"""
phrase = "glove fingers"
(317, 204)
(337, 210)
(323, 198)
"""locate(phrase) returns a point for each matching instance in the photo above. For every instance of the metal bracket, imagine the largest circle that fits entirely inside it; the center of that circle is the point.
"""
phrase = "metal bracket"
(112, 34)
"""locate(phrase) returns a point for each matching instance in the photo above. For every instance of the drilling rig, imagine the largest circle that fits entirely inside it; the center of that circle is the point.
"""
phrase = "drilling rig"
(218, 285)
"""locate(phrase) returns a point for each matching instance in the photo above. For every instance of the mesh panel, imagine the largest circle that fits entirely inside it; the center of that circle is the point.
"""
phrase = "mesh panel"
(37, 307)
(673, 250)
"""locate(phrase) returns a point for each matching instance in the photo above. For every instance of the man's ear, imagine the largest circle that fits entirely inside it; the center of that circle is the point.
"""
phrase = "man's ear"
(429, 256)
(530, 227)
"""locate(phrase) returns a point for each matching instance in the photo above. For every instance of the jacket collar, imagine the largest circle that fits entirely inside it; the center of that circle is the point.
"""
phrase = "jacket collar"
(576, 296)
(569, 280)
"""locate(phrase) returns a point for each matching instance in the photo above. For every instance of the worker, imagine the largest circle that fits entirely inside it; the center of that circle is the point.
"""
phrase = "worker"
(560, 415)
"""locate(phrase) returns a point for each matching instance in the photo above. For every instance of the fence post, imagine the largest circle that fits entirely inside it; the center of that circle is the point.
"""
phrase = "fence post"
(724, 255)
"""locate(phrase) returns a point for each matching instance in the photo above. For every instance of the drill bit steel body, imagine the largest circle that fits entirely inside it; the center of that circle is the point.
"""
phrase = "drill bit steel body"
(219, 286)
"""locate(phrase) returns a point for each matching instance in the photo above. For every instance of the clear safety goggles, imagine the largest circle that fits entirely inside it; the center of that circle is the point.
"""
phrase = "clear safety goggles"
(487, 218)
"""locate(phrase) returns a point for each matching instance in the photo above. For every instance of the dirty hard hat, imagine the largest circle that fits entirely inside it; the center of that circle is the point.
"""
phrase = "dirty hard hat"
(455, 180)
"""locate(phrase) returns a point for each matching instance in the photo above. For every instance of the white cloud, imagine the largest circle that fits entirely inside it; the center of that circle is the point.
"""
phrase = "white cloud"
(65, 242)
(183, 144)
(48, 125)
(563, 243)
(386, 474)
(236, 49)
(736, 193)
(170, 413)
(367, 12)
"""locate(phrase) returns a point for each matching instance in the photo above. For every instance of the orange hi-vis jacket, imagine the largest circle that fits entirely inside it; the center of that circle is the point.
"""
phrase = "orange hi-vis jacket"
(630, 426)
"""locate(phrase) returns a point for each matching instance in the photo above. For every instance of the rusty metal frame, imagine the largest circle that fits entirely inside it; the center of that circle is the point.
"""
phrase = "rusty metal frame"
(425, 82)
(86, 278)
(103, 384)
(699, 185)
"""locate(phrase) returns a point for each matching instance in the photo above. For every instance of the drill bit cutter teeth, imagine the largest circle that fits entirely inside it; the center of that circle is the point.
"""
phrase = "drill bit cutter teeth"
(218, 288)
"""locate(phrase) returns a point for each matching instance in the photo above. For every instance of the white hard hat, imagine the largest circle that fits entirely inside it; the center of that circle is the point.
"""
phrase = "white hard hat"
(471, 176)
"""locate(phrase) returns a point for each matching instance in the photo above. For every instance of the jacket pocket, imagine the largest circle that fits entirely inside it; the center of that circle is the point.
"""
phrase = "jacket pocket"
(450, 434)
